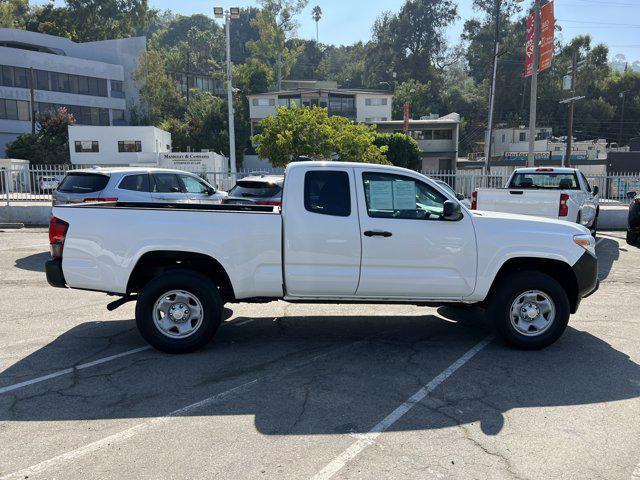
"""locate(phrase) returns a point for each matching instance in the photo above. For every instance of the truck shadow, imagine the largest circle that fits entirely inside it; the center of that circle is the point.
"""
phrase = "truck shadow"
(33, 263)
(320, 375)
(608, 251)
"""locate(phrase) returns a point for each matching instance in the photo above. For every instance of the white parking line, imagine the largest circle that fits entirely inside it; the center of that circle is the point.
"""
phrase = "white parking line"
(598, 241)
(66, 371)
(130, 432)
(369, 438)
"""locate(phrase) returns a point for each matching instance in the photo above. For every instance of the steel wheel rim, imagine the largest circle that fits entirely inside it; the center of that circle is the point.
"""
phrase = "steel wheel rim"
(532, 313)
(178, 314)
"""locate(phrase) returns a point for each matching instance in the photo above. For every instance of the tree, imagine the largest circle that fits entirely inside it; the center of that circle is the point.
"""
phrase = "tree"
(157, 90)
(106, 19)
(402, 150)
(316, 14)
(50, 143)
(12, 13)
(252, 77)
(294, 132)
(275, 23)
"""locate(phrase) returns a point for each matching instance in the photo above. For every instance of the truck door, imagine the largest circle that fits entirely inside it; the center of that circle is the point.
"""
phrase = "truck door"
(321, 232)
(408, 249)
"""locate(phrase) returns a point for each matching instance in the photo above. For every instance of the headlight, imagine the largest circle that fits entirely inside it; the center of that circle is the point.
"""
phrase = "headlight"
(587, 242)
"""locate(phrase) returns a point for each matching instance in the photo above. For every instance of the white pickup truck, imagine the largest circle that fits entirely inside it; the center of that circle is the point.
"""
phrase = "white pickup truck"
(562, 193)
(346, 232)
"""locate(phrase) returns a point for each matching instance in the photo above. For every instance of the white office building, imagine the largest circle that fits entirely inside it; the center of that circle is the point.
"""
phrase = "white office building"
(101, 145)
(93, 80)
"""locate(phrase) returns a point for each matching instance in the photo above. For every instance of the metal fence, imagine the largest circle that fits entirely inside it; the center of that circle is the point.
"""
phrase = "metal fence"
(34, 183)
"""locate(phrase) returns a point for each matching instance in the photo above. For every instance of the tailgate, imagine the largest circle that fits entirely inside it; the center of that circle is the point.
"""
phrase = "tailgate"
(538, 203)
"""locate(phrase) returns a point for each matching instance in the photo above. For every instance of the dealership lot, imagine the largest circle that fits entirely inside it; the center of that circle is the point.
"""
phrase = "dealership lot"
(311, 391)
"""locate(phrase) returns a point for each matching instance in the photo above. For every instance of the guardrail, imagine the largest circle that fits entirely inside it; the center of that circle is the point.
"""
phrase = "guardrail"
(35, 183)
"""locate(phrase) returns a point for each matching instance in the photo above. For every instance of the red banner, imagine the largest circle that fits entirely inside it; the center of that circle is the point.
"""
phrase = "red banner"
(528, 47)
(546, 37)
(405, 111)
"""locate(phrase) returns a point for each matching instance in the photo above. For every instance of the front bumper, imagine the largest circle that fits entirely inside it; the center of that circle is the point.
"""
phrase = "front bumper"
(55, 277)
(586, 272)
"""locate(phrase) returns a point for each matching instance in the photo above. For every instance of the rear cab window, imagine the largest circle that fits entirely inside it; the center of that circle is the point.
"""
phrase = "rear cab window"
(545, 180)
(83, 183)
(255, 189)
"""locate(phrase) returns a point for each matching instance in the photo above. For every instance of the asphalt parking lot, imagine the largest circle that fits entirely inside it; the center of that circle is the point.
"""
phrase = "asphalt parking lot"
(314, 391)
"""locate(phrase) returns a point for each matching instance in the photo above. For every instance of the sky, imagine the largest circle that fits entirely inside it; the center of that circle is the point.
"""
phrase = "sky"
(613, 22)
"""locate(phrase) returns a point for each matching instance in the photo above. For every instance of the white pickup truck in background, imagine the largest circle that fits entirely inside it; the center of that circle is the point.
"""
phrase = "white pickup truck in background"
(561, 193)
(346, 232)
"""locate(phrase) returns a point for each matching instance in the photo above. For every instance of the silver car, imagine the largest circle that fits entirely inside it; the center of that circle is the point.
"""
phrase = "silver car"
(133, 184)
(257, 189)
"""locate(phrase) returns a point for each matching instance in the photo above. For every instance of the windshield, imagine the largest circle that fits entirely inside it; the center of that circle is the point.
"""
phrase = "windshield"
(83, 183)
(251, 189)
(545, 180)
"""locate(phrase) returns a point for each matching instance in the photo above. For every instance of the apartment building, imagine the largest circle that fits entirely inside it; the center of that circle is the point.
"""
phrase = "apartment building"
(92, 80)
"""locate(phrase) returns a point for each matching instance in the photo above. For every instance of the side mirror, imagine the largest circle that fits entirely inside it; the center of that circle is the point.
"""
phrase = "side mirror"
(460, 196)
(631, 195)
(451, 211)
(174, 190)
(595, 190)
(211, 191)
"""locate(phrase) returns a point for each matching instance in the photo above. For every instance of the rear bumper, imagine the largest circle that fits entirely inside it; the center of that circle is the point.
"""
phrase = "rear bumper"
(586, 272)
(55, 277)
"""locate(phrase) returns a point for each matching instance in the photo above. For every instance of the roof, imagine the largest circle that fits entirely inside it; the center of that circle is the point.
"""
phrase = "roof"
(449, 119)
(540, 169)
(342, 91)
(372, 166)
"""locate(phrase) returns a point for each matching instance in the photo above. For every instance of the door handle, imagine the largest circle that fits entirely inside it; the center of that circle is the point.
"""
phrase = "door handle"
(377, 233)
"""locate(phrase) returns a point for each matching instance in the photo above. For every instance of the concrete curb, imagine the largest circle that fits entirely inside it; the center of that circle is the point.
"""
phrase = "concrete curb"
(16, 225)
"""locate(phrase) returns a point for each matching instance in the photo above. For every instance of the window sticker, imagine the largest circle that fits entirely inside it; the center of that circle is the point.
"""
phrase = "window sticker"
(404, 195)
(381, 195)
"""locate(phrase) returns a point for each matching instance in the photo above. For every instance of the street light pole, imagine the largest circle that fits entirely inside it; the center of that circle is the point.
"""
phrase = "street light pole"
(623, 96)
(534, 85)
(492, 93)
(232, 13)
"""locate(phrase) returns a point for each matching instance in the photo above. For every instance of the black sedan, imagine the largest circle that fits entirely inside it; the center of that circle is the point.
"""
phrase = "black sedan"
(633, 230)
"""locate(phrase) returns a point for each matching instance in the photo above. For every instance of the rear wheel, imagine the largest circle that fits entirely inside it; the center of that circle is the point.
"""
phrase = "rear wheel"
(632, 237)
(179, 311)
(530, 310)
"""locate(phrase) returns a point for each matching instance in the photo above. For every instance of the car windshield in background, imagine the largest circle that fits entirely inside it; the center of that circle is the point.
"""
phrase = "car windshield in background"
(83, 183)
(251, 189)
(557, 181)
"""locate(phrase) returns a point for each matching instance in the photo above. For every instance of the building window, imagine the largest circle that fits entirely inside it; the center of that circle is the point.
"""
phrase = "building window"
(20, 77)
(117, 86)
(7, 76)
(129, 146)
(442, 134)
(86, 146)
(375, 102)
(375, 119)
(117, 115)
(523, 136)
(14, 110)
(53, 81)
(23, 111)
(344, 106)
(263, 102)
(289, 101)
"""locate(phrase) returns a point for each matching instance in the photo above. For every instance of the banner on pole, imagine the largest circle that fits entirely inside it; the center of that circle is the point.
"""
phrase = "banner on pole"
(546, 36)
(405, 111)
(529, 47)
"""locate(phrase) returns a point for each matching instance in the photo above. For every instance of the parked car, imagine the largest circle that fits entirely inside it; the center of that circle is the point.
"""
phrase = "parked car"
(132, 184)
(633, 229)
(258, 190)
(47, 184)
(346, 232)
(458, 196)
(560, 193)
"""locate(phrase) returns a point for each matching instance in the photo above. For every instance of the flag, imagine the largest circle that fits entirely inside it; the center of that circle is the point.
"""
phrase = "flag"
(546, 36)
(528, 63)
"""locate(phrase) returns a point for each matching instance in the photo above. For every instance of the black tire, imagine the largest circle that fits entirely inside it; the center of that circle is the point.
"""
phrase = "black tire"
(505, 294)
(195, 284)
(594, 227)
(632, 237)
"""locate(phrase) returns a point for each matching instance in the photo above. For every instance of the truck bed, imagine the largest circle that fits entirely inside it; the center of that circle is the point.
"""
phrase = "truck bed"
(102, 248)
(537, 202)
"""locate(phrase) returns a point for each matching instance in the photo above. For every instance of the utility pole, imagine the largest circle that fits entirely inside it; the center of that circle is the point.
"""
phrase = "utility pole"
(534, 85)
(574, 69)
(623, 96)
(279, 70)
(232, 13)
(33, 102)
(492, 93)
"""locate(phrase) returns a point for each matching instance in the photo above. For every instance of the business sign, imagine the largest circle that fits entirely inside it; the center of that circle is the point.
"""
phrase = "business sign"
(193, 161)
(515, 156)
(529, 45)
(546, 36)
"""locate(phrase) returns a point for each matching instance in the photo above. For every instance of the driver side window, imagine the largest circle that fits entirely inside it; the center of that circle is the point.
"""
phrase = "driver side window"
(397, 196)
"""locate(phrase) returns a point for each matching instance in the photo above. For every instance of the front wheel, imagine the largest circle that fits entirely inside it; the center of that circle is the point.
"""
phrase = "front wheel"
(530, 310)
(632, 237)
(179, 311)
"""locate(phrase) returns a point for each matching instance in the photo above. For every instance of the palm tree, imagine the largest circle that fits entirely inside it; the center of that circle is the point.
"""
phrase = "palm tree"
(316, 14)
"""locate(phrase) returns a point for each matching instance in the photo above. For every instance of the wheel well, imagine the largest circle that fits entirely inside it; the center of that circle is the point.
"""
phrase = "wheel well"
(152, 264)
(556, 269)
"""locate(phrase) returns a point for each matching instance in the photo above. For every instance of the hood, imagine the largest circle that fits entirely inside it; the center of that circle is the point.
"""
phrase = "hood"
(524, 221)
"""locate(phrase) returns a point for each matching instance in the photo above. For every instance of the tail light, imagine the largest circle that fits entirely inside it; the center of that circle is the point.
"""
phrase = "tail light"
(270, 202)
(57, 232)
(474, 200)
(563, 209)
(99, 199)
(637, 201)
